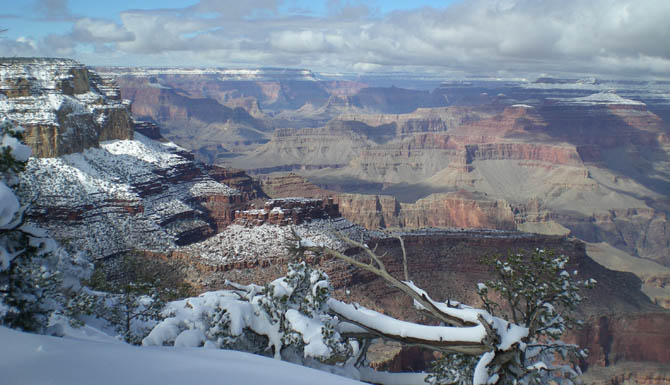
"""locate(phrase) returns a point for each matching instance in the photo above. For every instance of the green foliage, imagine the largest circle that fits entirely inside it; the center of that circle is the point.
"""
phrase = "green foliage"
(452, 369)
(306, 290)
(131, 299)
(535, 291)
(28, 288)
(10, 166)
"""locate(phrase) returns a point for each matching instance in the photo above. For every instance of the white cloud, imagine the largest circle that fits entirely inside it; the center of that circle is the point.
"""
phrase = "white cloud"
(22, 46)
(100, 31)
(366, 67)
(307, 41)
(25, 40)
(627, 37)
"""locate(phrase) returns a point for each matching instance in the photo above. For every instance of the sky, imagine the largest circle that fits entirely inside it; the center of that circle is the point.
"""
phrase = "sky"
(611, 38)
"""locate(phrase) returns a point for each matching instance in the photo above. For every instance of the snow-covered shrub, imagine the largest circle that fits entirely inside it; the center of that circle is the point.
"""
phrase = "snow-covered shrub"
(287, 318)
(297, 303)
(537, 292)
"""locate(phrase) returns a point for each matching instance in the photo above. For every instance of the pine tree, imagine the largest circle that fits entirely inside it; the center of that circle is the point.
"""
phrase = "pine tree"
(131, 297)
(28, 288)
(537, 292)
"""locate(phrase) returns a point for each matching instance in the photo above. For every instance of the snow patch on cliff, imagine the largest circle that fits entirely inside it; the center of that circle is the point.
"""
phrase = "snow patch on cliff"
(601, 98)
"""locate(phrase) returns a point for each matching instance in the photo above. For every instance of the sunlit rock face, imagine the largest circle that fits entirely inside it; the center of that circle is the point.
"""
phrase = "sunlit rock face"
(63, 106)
(126, 195)
(95, 185)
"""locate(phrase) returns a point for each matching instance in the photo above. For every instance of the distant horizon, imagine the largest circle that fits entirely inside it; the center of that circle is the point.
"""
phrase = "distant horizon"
(624, 39)
(399, 73)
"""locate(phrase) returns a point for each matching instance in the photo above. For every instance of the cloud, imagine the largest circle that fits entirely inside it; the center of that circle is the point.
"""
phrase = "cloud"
(100, 31)
(366, 67)
(307, 41)
(617, 37)
(234, 9)
(21, 46)
(52, 9)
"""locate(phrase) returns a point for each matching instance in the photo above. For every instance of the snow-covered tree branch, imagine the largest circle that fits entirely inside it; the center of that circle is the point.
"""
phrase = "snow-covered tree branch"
(477, 332)
(294, 318)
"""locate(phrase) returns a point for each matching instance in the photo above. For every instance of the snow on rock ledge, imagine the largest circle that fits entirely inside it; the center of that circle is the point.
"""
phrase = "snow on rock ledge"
(63, 106)
(240, 243)
(286, 211)
(601, 98)
(127, 194)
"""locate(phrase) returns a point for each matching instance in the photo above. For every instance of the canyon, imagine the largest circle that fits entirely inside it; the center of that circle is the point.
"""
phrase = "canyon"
(105, 182)
(585, 158)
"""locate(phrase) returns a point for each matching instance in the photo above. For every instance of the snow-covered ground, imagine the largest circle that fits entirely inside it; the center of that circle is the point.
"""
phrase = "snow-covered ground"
(38, 359)
(600, 98)
(267, 241)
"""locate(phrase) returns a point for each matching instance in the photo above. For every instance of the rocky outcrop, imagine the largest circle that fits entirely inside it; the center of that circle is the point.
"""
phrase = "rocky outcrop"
(237, 179)
(370, 211)
(196, 121)
(622, 228)
(603, 125)
(221, 209)
(623, 326)
(530, 152)
(149, 129)
(273, 89)
(126, 195)
(288, 211)
(396, 100)
(62, 105)
(455, 210)
(628, 373)
(460, 210)
(626, 337)
(292, 185)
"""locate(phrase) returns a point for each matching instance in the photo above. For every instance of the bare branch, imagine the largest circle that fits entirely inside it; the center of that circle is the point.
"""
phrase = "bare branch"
(404, 258)
(362, 352)
(380, 271)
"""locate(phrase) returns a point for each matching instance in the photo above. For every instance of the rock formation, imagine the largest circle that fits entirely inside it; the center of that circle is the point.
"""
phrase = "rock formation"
(288, 211)
(566, 165)
(101, 190)
(63, 106)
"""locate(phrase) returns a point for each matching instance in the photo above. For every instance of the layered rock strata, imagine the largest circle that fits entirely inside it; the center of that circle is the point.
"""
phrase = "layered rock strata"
(124, 195)
(288, 211)
(63, 106)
